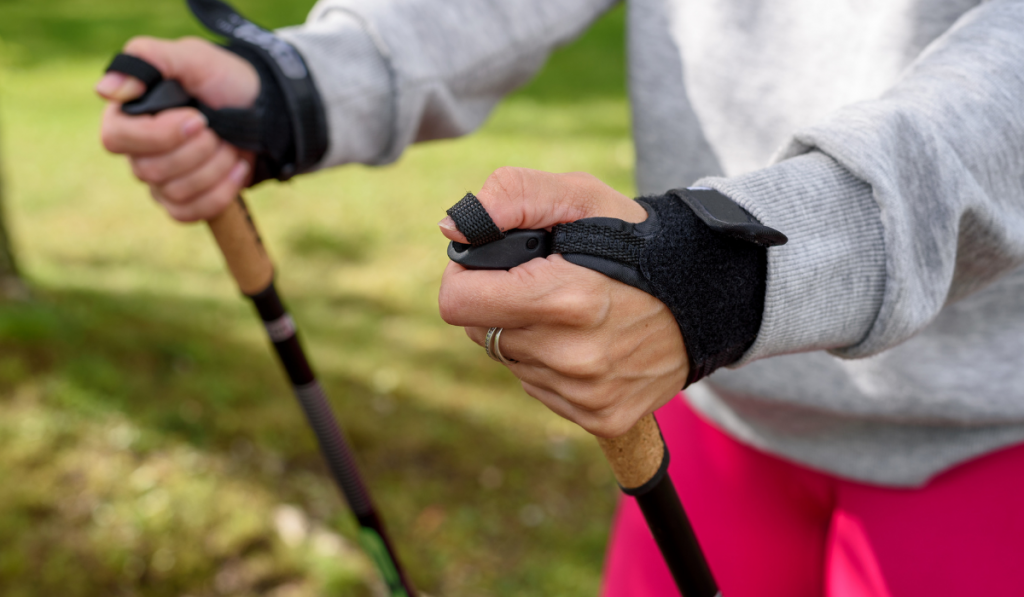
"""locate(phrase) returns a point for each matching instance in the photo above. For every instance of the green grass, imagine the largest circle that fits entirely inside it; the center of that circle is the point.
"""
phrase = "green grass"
(148, 443)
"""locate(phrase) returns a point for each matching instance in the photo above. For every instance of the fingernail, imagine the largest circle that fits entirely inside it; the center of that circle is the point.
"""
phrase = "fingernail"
(448, 224)
(239, 172)
(193, 125)
(110, 83)
(131, 89)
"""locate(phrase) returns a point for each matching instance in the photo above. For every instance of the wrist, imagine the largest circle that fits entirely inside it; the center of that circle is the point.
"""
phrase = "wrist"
(713, 283)
(698, 253)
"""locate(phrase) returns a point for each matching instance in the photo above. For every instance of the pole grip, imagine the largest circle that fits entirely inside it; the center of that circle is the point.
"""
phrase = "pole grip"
(639, 459)
(242, 247)
(636, 456)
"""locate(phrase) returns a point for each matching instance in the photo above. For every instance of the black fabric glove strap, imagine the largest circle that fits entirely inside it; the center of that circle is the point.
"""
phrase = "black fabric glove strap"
(710, 271)
(286, 127)
(266, 129)
(289, 90)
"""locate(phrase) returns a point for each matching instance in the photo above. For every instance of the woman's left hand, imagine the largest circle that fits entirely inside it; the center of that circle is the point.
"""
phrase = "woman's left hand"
(594, 350)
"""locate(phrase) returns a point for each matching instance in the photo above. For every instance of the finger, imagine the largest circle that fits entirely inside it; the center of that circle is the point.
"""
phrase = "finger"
(147, 135)
(602, 423)
(551, 399)
(159, 169)
(532, 199)
(185, 188)
(451, 231)
(594, 423)
(584, 395)
(218, 77)
(525, 346)
(549, 290)
(119, 87)
(477, 334)
(212, 202)
(516, 345)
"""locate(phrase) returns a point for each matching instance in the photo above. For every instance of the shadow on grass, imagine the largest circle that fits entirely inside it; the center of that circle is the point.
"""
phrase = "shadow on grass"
(474, 508)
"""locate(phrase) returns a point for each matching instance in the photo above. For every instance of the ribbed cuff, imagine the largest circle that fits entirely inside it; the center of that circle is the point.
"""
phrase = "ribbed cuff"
(357, 99)
(824, 287)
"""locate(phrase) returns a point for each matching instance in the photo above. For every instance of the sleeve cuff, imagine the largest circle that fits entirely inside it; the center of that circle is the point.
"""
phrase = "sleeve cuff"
(824, 288)
(357, 98)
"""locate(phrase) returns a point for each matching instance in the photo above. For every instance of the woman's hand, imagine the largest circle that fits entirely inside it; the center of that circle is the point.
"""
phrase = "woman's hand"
(189, 169)
(594, 350)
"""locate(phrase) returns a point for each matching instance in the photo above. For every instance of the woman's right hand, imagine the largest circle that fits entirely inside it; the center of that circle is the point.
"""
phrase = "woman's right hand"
(190, 171)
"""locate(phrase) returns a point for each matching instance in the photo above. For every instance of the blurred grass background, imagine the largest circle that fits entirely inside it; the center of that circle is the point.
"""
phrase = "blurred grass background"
(148, 444)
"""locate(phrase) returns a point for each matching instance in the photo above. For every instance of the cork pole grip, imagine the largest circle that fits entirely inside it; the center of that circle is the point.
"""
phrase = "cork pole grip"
(242, 248)
(636, 455)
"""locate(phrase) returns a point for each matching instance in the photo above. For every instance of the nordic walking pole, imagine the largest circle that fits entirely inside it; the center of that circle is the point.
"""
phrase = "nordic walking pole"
(639, 457)
(253, 271)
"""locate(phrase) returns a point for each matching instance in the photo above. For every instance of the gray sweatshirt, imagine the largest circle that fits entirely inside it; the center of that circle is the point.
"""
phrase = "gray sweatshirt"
(886, 139)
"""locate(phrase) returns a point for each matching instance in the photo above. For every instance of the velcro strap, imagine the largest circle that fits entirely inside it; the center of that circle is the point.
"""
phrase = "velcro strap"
(285, 63)
(136, 67)
(474, 222)
(600, 237)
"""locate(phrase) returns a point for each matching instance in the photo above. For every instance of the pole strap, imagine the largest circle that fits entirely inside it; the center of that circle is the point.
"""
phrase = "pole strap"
(288, 69)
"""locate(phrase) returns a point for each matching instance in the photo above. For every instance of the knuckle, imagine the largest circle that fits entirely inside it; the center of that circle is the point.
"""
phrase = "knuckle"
(191, 42)
(505, 182)
(579, 196)
(220, 199)
(582, 178)
(208, 143)
(140, 45)
(195, 46)
(544, 396)
(586, 362)
(607, 426)
(150, 171)
(578, 307)
(182, 214)
(109, 138)
(176, 192)
(448, 305)
(111, 135)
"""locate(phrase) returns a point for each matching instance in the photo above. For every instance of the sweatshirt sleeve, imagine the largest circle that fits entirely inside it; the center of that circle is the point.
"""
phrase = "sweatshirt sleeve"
(897, 206)
(393, 72)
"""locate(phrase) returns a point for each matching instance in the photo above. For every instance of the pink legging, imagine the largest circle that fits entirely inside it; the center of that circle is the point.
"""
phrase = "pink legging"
(771, 528)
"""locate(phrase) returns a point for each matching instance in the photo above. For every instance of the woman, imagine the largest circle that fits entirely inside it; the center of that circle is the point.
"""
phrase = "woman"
(867, 439)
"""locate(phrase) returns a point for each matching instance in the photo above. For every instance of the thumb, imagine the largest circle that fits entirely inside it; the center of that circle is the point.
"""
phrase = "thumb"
(120, 87)
(215, 76)
(532, 199)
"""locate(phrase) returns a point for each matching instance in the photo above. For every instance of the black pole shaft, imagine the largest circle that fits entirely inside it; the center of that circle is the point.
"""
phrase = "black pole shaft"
(336, 451)
(675, 538)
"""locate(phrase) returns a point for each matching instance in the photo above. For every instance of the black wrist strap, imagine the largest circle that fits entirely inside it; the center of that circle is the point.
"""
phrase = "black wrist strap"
(286, 127)
(288, 69)
(699, 253)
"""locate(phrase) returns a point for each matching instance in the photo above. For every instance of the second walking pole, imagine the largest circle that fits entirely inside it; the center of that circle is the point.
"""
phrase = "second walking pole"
(639, 458)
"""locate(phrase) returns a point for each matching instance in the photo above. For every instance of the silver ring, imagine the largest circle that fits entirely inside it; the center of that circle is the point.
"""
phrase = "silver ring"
(490, 337)
(497, 349)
